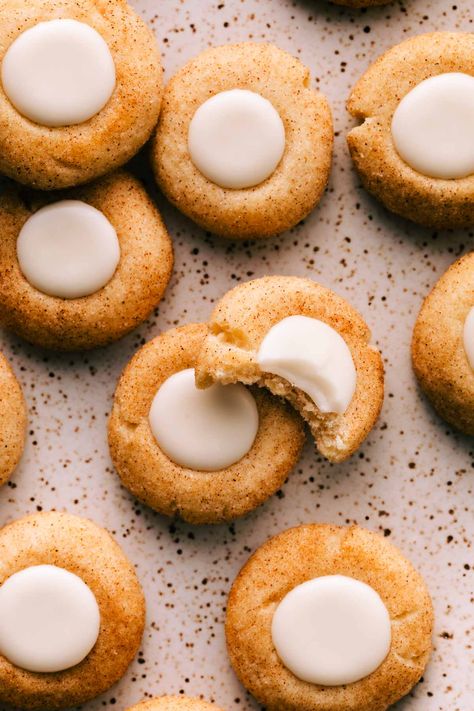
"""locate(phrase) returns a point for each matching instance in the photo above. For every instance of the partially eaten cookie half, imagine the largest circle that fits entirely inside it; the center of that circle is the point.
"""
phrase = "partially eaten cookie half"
(306, 344)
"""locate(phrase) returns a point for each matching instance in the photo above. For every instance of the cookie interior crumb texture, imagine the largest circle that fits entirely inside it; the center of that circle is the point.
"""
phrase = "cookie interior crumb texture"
(243, 317)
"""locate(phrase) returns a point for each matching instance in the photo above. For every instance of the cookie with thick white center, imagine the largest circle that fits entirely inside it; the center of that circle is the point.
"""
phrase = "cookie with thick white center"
(414, 147)
(329, 618)
(72, 612)
(244, 144)
(12, 420)
(443, 345)
(80, 89)
(81, 268)
(304, 343)
(174, 703)
(206, 456)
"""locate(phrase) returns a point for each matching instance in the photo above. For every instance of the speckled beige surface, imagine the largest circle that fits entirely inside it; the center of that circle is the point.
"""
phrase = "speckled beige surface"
(412, 479)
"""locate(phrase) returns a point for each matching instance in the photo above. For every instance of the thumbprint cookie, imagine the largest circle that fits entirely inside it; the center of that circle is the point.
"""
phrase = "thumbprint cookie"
(207, 456)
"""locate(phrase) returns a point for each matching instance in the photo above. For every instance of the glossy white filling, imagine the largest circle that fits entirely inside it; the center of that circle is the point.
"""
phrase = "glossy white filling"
(207, 429)
(332, 630)
(236, 139)
(433, 126)
(468, 337)
(313, 357)
(68, 249)
(49, 619)
(59, 73)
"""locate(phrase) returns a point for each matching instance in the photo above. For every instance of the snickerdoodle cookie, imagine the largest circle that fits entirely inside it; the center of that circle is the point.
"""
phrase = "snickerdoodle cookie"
(12, 420)
(72, 611)
(304, 343)
(174, 703)
(414, 149)
(81, 268)
(329, 618)
(206, 456)
(80, 89)
(243, 144)
(443, 345)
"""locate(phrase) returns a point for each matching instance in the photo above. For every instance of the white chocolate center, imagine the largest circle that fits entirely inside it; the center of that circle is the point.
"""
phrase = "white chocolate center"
(207, 429)
(59, 73)
(68, 249)
(433, 126)
(236, 139)
(313, 357)
(49, 619)
(332, 630)
(468, 337)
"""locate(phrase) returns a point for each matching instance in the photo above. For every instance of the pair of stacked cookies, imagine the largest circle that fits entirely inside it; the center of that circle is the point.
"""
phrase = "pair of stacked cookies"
(192, 434)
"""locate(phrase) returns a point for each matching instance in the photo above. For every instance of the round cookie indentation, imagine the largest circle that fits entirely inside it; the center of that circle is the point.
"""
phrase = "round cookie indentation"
(387, 86)
(68, 249)
(207, 429)
(331, 630)
(59, 73)
(121, 204)
(433, 126)
(89, 552)
(49, 619)
(298, 180)
(245, 317)
(309, 552)
(442, 345)
(12, 421)
(236, 139)
(196, 496)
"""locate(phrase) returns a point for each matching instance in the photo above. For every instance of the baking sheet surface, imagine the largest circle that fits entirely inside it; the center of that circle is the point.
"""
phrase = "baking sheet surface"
(412, 479)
